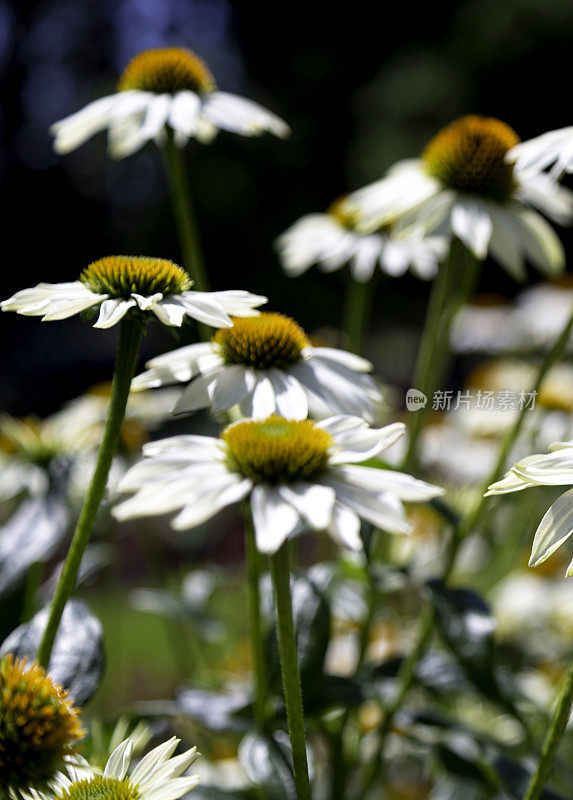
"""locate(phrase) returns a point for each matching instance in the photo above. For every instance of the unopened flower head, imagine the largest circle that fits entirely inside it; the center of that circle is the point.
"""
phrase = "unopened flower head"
(164, 90)
(551, 469)
(296, 474)
(334, 239)
(465, 185)
(158, 776)
(133, 284)
(39, 727)
(266, 365)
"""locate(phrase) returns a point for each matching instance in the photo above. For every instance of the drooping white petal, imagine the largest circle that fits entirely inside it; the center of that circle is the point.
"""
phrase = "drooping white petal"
(290, 397)
(405, 486)
(382, 509)
(541, 244)
(71, 132)
(206, 504)
(314, 503)
(345, 527)
(203, 307)
(261, 402)
(184, 112)
(274, 519)
(233, 113)
(360, 444)
(112, 311)
(233, 382)
(472, 224)
(554, 529)
(239, 303)
(349, 360)
(198, 394)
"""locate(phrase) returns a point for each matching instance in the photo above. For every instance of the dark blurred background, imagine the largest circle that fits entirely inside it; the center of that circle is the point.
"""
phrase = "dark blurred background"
(361, 87)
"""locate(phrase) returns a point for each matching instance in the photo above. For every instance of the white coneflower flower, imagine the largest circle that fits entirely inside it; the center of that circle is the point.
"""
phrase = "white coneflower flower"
(39, 727)
(122, 284)
(266, 364)
(334, 239)
(554, 148)
(157, 776)
(296, 473)
(463, 186)
(160, 89)
(553, 469)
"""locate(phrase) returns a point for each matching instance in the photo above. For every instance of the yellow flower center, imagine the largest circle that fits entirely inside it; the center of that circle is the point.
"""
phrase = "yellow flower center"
(29, 439)
(167, 70)
(100, 788)
(269, 340)
(121, 276)
(468, 156)
(277, 450)
(38, 726)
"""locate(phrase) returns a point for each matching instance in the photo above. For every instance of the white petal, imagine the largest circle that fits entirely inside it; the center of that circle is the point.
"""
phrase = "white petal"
(291, 400)
(314, 503)
(112, 311)
(184, 113)
(261, 403)
(232, 384)
(349, 360)
(119, 760)
(274, 519)
(207, 504)
(198, 394)
(554, 529)
(404, 486)
(472, 224)
(345, 527)
(234, 113)
(359, 444)
(148, 763)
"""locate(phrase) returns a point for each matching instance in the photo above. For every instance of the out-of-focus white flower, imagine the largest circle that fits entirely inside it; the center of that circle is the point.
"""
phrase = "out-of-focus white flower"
(553, 469)
(532, 322)
(463, 186)
(296, 474)
(126, 284)
(158, 776)
(161, 90)
(334, 239)
(267, 365)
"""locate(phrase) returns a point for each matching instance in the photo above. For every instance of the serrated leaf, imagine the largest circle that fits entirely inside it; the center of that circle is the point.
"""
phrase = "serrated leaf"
(77, 661)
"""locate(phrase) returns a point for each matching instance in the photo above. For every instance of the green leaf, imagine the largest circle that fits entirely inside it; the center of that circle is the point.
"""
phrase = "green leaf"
(267, 763)
(77, 660)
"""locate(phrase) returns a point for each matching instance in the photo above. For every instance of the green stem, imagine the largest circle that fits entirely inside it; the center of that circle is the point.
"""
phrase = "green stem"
(456, 279)
(130, 335)
(551, 743)
(280, 571)
(358, 305)
(256, 627)
(467, 524)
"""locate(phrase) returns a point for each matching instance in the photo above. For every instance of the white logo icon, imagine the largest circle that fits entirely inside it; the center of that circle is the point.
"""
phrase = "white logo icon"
(415, 400)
